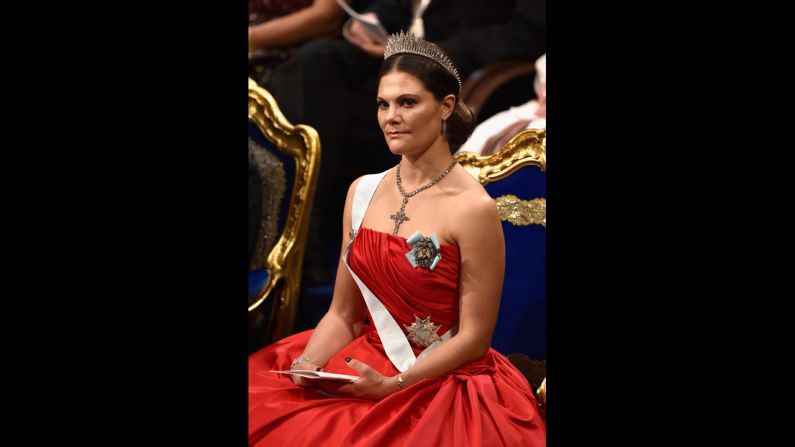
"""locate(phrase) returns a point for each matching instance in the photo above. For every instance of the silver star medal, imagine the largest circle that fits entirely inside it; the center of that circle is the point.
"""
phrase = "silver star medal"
(425, 251)
(422, 333)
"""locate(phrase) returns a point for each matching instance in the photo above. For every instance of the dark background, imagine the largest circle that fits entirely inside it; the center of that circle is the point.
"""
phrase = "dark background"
(127, 198)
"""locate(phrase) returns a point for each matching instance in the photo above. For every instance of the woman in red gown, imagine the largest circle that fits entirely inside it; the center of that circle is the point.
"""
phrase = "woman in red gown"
(424, 260)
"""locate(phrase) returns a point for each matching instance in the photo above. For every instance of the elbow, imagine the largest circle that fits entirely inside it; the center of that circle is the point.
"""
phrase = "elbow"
(330, 23)
(479, 351)
(325, 18)
(477, 347)
(353, 321)
(358, 328)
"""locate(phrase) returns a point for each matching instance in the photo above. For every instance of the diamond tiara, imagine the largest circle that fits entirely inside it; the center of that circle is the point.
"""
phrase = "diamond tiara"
(407, 43)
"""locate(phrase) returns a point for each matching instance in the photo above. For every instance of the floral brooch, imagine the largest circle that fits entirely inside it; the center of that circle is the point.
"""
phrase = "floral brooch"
(425, 251)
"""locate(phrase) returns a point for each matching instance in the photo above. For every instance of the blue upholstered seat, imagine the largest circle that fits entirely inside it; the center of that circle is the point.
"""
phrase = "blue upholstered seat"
(515, 177)
(523, 307)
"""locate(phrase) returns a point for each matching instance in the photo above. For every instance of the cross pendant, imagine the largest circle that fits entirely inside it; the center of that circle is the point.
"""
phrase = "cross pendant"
(399, 217)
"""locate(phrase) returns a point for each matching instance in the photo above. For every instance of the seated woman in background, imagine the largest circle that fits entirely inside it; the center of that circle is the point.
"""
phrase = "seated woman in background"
(423, 259)
(493, 134)
(278, 27)
(284, 23)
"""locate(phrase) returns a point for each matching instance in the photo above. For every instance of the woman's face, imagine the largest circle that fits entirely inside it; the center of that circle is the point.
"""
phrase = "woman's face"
(409, 115)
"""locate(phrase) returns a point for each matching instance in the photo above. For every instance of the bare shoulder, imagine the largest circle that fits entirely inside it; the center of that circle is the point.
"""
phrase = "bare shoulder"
(353, 185)
(473, 200)
(349, 196)
(475, 209)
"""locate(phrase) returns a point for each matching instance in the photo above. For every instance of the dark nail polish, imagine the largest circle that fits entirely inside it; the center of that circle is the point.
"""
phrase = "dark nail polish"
(347, 359)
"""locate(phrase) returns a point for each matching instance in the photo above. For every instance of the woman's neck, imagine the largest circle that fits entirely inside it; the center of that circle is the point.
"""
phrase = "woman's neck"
(416, 171)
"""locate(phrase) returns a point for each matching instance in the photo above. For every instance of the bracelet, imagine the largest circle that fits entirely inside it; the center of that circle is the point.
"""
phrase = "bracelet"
(400, 382)
(300, 359)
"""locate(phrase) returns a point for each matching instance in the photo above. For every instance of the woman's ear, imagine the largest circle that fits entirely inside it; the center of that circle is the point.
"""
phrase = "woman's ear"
(448, 105)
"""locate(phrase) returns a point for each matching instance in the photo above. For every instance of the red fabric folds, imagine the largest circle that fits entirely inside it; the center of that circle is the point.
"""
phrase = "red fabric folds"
(484, 403)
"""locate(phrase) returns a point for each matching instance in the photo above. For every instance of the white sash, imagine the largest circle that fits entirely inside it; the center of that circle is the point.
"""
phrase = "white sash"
(396, 345)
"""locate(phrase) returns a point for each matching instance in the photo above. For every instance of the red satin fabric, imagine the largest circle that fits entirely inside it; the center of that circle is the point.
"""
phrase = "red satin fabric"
(487, 402)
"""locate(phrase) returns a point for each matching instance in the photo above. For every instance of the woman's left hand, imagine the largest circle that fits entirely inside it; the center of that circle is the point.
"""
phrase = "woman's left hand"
(370, 384)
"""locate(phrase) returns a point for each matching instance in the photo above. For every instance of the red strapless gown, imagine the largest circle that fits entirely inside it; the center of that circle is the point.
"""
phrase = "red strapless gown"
(487, 402)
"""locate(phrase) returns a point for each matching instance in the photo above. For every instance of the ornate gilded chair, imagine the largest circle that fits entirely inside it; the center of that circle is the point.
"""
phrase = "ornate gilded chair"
(285, 159)
(516, 178)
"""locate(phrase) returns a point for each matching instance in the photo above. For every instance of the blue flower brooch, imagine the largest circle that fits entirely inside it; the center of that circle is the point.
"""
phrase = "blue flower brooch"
(425, 251)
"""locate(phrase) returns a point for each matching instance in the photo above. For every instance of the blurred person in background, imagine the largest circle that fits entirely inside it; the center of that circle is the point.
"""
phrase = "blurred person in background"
(493, 134)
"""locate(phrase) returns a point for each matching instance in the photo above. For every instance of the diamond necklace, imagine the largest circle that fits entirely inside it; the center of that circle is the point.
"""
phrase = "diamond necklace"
(401, 216)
